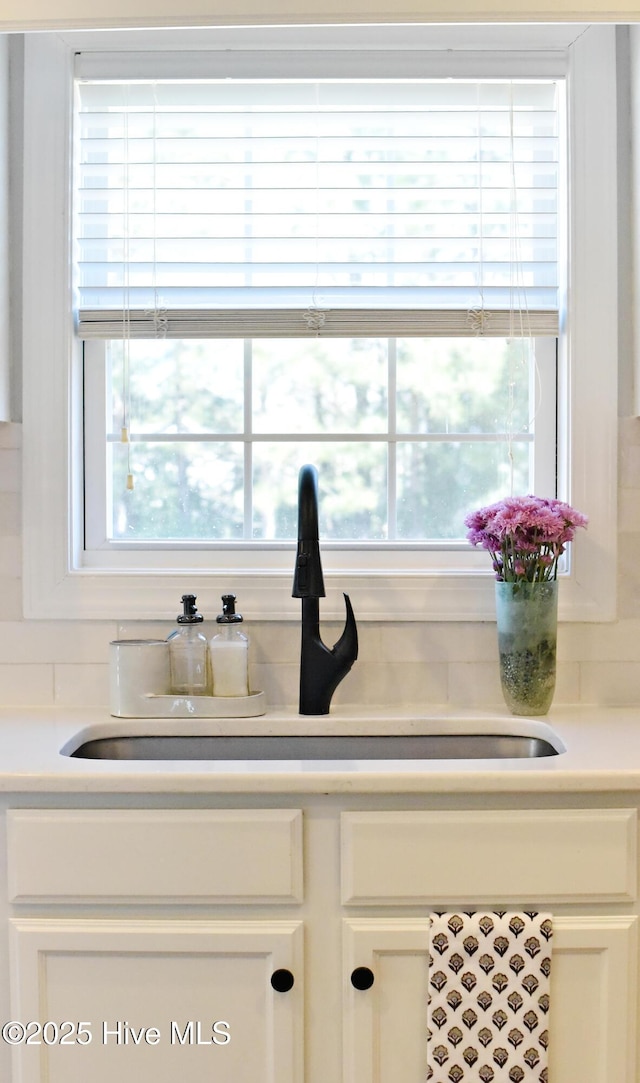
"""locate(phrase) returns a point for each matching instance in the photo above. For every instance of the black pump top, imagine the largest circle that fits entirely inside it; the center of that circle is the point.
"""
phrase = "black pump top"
(229, 615)
(190, 614)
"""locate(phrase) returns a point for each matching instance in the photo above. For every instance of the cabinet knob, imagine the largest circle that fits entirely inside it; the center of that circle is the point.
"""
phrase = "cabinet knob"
(282, 980)
(362, 977)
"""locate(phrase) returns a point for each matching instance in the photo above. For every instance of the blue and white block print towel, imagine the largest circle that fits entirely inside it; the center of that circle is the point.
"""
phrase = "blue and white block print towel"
(489, 997)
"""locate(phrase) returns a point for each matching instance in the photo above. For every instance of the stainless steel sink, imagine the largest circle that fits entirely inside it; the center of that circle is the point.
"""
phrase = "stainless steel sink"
(447, 746)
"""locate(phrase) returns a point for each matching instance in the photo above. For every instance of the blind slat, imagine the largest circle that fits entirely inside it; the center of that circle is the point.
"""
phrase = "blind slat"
(366, 299)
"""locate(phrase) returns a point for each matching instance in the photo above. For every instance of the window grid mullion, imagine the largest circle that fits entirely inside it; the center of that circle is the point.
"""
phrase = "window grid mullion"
(248, 444)
(392, 356)
(326, 438)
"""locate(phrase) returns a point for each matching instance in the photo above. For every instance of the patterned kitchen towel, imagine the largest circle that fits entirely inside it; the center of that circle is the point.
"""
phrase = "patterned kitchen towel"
(488, 997)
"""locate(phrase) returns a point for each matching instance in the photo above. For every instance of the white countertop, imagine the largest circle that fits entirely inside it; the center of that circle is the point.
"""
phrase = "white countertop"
(602, 753)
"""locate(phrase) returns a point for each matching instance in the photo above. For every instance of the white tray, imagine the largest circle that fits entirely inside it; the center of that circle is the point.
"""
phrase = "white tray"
(153, 706)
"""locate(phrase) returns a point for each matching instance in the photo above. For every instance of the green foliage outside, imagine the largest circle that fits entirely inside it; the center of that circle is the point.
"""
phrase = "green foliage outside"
(460, 422)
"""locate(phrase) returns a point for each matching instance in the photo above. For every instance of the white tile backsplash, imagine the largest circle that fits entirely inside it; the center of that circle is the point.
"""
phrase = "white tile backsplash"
(473, 684)
(371, 683)
(280, 683)
(71, 642)
(610, 684)
(81, 685)
(66, 662)
(11, 556)
(26, 684)
(10, 514)
(10, 472)
(11, 600)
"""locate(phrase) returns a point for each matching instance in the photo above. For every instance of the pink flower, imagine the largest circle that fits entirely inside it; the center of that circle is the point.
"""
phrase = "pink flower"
(525, 535)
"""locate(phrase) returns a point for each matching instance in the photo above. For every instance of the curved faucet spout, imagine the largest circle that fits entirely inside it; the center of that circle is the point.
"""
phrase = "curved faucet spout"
(321, 668)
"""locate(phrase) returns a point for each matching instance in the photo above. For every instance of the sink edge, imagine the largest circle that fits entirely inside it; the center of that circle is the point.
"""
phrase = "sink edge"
(303, 726)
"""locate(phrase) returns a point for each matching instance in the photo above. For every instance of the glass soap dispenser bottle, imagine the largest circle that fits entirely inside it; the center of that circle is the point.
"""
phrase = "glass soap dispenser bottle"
(188, 652)
(229, 651)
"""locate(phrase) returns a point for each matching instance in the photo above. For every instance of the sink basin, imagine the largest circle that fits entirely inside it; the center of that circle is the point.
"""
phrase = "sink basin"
(429, 746)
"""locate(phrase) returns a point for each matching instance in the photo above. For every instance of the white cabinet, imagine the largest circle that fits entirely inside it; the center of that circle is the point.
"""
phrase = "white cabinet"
(170, 994)
(178, 855)
(157, 1000)
(591, 1019)
(525, 859)
(152, 926)
(509, 856)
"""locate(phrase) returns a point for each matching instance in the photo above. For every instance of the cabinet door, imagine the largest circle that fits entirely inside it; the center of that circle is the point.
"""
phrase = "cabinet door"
(591, 1018)
(159, 1001)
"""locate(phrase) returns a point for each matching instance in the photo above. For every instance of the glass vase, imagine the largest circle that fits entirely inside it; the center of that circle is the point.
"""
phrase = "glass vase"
(527, 618)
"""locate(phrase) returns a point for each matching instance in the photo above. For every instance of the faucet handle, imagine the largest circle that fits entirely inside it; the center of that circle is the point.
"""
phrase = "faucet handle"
(308, 581)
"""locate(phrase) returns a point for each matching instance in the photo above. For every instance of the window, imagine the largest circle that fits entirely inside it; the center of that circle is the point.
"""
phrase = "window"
(427, 208)
(404, 433)
(402, 465)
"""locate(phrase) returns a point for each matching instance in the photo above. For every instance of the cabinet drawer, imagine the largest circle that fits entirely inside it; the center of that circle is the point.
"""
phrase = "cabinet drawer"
(490, 857)
(220, 855)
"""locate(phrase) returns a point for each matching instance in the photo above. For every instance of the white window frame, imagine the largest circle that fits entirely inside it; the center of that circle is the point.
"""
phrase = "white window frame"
(59, 581)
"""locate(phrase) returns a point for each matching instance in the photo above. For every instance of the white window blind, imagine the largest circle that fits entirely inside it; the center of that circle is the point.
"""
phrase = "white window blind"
(265, 207)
